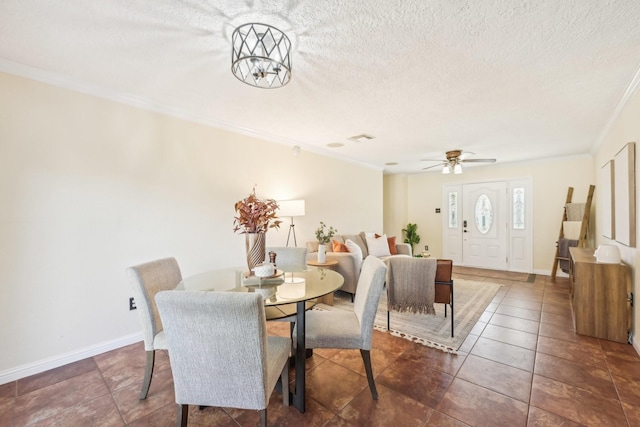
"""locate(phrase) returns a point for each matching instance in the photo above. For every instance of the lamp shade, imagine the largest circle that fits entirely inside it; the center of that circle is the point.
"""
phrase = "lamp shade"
(291, 208)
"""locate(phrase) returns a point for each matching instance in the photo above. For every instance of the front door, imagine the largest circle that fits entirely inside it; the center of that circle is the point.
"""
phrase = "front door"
(484, 225)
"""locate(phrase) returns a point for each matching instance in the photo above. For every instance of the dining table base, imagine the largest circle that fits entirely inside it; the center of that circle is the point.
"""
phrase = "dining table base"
(298, 394)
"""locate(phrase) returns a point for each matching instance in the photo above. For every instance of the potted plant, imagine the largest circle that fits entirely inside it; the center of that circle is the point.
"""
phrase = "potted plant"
(254, 218)
(324, 235)
(411, 235)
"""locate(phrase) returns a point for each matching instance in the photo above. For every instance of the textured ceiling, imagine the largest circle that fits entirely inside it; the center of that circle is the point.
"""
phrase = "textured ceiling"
(509, 79)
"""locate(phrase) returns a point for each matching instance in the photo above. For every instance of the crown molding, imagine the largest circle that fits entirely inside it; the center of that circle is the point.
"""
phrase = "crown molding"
(64, 82)
(628, 94)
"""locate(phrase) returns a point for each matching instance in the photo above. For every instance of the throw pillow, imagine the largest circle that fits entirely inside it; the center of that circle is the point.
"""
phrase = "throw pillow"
(359, 240)
(356, 251)
(339, 247)
(378, 247)
(392, 244)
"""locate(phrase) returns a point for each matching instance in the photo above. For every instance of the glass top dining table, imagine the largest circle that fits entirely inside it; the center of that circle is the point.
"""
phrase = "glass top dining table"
(287, 293)
(280, 293)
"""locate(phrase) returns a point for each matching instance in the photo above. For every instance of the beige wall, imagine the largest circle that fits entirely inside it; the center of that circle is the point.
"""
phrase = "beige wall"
(625, 129)
(550, 179)
(395, 205)
(91, 186)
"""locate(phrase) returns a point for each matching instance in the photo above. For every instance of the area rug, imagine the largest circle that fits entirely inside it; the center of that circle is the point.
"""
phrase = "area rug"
(471, 298)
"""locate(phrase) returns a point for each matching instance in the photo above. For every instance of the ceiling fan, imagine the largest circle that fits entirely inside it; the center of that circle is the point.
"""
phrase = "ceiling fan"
(454, 160)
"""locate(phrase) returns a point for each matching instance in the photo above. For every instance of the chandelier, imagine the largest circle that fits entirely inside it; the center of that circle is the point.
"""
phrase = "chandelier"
(261, 56)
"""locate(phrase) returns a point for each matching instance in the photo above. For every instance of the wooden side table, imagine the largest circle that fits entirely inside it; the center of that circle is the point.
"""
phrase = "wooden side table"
(329, 264)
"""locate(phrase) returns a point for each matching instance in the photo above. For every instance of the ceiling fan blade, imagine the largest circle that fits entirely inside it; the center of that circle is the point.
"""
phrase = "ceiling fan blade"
(433, 160)
(435, 166)
(466, 154)
(479, 161)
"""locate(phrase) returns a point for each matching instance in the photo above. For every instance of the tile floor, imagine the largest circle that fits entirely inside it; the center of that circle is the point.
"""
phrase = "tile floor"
(521, 365)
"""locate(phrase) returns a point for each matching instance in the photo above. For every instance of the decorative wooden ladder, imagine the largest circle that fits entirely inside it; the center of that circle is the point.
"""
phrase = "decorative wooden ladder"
(584, 227)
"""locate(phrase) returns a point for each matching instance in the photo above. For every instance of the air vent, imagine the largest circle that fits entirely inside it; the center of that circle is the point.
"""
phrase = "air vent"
(361, 138)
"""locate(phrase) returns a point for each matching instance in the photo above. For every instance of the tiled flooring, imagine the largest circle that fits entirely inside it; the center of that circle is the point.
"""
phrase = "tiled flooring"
(521, 365)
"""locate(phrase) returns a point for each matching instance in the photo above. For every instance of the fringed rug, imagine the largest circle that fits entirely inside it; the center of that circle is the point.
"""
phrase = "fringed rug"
(471, 298)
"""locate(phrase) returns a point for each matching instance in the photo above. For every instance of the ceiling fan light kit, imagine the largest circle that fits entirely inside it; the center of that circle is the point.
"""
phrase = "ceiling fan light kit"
(456, 168)
(454, 160)
(261, 56)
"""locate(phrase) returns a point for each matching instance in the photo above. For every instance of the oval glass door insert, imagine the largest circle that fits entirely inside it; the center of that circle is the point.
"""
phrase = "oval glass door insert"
(484, 214)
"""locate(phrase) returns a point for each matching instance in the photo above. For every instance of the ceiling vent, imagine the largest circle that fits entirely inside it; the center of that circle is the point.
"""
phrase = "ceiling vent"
(361, 138)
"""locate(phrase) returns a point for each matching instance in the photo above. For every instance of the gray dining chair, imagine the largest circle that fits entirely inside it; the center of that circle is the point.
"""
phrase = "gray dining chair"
(289, 258)
(351, 329)
(220, 353)
(146, 280)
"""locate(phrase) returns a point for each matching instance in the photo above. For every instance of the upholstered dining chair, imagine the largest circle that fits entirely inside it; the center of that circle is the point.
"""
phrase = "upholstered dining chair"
(220, 353)
(289, 258)
(351, 329)
(146, 280)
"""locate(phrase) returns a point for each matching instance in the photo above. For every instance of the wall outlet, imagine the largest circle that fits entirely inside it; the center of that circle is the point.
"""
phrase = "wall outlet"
(426, 247)
(132, 304)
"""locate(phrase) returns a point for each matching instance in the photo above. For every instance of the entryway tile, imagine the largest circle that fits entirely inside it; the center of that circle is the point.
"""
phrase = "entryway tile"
(498, 377)
(511, 336)
(479, 406)
(576, 404)
(508, 354)
(539, 417)
(525, 325)
(57, 398)
(579, 352)
(334, 386)
(576, 374)
(391, 409)
(417, 380)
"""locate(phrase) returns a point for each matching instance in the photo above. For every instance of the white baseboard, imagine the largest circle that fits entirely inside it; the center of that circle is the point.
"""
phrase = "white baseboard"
(43, 365)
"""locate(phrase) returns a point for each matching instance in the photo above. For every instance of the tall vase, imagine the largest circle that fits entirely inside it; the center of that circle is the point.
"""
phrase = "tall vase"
(255, 245)
(322, 254)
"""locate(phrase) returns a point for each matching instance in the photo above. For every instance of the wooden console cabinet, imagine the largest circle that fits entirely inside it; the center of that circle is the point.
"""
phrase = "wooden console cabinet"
(600, 296)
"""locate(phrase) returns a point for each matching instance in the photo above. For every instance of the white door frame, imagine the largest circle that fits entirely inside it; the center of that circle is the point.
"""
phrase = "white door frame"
(519, 223)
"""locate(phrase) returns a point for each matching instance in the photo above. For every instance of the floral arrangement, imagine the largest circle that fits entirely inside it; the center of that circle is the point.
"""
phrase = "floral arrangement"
(255, 215)
(324, 234)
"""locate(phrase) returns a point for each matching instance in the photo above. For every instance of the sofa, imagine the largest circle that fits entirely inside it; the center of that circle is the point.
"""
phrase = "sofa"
(350, 259)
